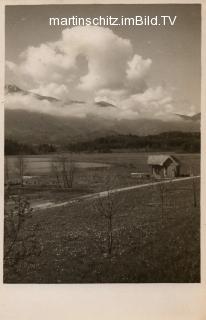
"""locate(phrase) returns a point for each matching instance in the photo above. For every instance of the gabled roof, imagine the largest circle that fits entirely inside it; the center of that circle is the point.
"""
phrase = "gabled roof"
(160, 159)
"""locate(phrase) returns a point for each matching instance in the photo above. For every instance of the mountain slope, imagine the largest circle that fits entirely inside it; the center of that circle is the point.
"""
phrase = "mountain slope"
(14, 89)
(31, 127)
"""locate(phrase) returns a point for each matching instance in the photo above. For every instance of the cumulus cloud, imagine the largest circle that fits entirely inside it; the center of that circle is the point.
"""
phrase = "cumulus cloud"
(109, 71)
(137, 71)
(30, 103)
(106, 53)
(59, 91)
(154, 101)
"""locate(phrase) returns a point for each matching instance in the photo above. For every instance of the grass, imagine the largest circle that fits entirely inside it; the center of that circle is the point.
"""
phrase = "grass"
(149, 244)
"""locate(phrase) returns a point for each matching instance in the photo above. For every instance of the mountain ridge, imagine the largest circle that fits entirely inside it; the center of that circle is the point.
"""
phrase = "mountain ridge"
(33, 127)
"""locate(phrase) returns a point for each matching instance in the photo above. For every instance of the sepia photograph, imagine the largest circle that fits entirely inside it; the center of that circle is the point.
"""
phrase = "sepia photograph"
(102, 144)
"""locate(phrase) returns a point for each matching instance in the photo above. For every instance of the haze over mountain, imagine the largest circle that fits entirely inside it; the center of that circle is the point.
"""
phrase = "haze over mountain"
(195, 117)
(33, 127)
(13, 89)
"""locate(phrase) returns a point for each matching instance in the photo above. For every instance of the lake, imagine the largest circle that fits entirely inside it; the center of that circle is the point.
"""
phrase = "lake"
(134, 162)
(43, 165)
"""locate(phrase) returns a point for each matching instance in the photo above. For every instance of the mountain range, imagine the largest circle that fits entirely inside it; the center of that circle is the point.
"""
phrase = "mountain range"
(32, 127)
(14, 89)
(35, 127)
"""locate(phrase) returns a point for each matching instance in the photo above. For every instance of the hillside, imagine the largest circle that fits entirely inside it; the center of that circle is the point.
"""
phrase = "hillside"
(36, 128)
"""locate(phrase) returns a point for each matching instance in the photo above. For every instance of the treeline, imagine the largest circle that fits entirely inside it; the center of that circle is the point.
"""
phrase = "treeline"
(168, 141)
(13, 147)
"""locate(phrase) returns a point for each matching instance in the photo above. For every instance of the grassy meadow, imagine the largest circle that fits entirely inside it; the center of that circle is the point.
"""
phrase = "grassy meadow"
(155, 231)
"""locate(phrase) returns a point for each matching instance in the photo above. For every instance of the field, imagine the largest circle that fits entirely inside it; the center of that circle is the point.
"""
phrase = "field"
(91, 172)
(155, 231)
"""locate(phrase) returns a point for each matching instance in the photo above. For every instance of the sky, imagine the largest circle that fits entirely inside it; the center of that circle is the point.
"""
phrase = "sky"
(144, 71)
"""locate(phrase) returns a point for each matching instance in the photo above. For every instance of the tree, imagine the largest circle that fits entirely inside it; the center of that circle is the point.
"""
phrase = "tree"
(55, 172)
(15, 218)
(63, 169)
(162, 190)
(194, 193)
(6, 170)
(20, 243)
(13, 147)
(68, 169)
(21, 166)
(108, 206)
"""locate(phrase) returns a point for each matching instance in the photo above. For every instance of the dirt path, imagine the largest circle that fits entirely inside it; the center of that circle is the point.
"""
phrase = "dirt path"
(103, 194)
